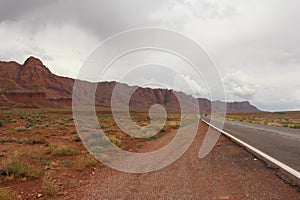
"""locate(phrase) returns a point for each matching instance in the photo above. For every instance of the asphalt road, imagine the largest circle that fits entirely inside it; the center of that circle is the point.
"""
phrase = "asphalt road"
(281, 143)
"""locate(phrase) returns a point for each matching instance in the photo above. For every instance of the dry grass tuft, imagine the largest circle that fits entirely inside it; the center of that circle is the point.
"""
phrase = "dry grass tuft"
(7, 195)
(83, 161)
(14, 167)
(50, 188)
(60, 150)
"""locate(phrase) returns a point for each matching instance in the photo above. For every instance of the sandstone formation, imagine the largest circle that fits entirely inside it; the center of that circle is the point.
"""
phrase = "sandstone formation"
(33, 85)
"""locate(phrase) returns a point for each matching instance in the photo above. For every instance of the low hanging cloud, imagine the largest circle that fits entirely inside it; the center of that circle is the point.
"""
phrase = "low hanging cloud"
(189, 86)
(239, 85)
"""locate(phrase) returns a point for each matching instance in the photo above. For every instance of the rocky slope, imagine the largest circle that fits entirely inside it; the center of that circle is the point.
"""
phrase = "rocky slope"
(33, 85)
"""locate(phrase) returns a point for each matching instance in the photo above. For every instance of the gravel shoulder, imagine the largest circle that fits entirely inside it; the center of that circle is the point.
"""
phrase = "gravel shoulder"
(228, 172)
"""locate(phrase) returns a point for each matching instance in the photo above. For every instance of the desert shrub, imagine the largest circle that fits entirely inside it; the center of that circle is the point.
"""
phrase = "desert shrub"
(116, 141)
(66, 163)
(76, 138)
(50, 188)
(30, 119)
(43, 162)
(29, 125)
(295, 126)
(83, 161)
(60, 150)
(16, 168)
(7, 195)
(10, 120)
(1, 123)
(8, 139)
(20, 129)
(73, 132)
(34, 140)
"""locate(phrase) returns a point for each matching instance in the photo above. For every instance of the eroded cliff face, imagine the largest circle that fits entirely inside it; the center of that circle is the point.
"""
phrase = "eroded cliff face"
(33, 85)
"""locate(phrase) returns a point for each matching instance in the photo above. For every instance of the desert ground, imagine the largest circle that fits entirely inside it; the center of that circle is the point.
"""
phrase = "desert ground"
(289, 119)
(42, 157)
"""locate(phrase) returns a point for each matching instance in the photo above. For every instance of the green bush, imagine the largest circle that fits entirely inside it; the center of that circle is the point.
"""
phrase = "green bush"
(1, 123)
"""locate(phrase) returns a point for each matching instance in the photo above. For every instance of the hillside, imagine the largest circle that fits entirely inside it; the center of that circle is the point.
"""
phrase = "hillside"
(33, 85)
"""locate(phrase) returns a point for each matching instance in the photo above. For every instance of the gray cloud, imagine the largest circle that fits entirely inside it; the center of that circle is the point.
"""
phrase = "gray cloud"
(14, 9)
(101, 17)
(255, 44)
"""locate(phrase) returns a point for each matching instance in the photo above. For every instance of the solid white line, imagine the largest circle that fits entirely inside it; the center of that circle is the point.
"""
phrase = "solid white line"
(266, 156)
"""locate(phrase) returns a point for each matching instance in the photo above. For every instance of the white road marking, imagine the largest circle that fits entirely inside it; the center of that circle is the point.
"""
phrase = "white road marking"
(266, 156)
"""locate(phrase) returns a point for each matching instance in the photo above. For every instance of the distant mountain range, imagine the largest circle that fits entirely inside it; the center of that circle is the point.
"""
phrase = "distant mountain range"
(33, 85)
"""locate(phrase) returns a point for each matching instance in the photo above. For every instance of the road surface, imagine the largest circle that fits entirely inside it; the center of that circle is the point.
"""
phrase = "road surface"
(280, 143)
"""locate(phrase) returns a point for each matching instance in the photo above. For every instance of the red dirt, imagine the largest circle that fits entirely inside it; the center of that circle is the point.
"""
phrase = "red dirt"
(228, 172)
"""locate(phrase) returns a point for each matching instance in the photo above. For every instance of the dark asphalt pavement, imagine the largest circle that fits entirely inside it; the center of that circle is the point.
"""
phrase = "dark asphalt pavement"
(281, 143)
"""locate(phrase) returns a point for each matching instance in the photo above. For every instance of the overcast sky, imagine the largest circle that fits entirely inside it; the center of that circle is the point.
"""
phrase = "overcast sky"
(255, 44)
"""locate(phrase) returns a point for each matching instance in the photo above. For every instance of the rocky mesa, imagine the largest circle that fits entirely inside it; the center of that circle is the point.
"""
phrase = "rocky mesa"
(33, 85)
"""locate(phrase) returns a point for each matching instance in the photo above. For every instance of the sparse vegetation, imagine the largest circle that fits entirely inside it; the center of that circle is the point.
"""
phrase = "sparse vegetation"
(34, 140)
(8, 139)
(7, 195)
(20, 129)
(43, 162)
(76, 138)
(66, 163)
(83, 161)
(282, 119)
(50, 188)
(60, 150)
(295, 126)
(47, 141)
(10, 120)
(1, 123)
(14, 167)
(73, 132)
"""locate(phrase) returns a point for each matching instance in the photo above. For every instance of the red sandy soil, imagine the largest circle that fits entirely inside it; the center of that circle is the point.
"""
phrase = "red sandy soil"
(228, 172)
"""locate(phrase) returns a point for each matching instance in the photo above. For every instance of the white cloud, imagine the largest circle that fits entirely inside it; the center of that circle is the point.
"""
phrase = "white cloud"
(62, 49)
(182, 10)
(239, 86)
(256, 39)
(186, 84)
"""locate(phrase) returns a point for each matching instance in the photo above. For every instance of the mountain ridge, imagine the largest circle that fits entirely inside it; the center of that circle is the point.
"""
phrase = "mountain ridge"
(32, 84)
